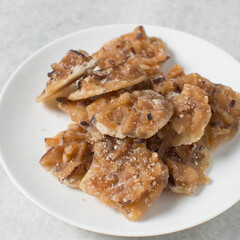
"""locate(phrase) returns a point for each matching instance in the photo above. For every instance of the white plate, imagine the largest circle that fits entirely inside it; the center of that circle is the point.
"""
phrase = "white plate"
(24, 124)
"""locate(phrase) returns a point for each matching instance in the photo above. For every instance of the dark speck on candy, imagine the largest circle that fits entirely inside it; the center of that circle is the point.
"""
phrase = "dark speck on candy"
(133, 50)
(50, 74)
(84, 124)
(213, 124)
(232, 103)
(79, 53)
(92, 119)
(159, 80)
(149, 117)
(201, 148)
(138, 36)
(111, 61)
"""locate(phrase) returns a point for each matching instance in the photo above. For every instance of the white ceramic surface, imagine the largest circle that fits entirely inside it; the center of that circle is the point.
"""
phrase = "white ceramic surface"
(24, 124)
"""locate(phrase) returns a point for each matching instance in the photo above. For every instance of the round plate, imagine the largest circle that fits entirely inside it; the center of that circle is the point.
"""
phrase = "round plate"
(24, 124)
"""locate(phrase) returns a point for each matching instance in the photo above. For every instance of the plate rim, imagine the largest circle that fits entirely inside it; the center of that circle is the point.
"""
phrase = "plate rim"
(54, 213)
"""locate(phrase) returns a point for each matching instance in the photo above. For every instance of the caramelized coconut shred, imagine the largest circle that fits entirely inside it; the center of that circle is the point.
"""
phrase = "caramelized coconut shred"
(136, 131)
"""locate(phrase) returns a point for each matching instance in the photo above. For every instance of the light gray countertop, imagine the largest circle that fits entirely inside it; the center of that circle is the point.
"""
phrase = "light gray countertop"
(27, 25)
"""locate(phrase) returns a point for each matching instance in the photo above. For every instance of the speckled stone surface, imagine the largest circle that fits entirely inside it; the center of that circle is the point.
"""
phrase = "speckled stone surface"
(27, 25)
